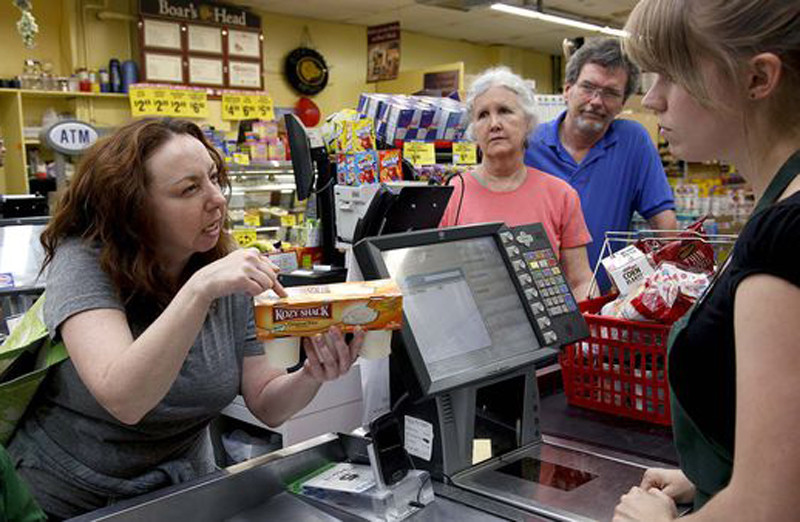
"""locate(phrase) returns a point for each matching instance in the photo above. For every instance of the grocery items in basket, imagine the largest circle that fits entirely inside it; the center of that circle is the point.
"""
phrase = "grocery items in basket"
(664, 296)
(659, 280)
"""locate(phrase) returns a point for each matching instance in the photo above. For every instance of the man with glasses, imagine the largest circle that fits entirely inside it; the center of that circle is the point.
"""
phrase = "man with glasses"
(612, 163)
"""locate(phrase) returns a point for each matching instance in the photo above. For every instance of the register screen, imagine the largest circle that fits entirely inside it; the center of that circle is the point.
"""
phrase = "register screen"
(461, 305)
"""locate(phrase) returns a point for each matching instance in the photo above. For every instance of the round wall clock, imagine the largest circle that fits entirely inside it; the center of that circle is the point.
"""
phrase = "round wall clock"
(306, 70)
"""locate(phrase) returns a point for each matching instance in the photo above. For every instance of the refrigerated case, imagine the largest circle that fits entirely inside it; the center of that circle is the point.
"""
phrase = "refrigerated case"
(21, 257)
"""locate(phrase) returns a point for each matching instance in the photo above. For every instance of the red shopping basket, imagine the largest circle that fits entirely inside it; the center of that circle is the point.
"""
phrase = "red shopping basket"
(620, 368)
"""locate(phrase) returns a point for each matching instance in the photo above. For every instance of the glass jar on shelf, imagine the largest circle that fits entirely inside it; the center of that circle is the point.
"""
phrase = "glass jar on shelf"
(31, 77)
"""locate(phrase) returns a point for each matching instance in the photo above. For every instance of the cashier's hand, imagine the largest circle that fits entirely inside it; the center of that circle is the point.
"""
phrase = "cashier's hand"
(638, 505)
(328, 356)
(671, 481)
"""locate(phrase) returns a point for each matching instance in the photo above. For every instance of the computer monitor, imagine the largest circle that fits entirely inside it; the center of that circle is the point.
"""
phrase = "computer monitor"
(300, 149)
(465, 314)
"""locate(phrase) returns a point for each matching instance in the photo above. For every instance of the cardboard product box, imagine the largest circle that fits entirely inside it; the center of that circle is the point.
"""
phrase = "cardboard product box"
(308, 310)
(366, 167)
(389, 166)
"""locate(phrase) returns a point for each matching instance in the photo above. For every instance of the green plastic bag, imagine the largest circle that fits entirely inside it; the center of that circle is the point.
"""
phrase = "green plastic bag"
(25, 357)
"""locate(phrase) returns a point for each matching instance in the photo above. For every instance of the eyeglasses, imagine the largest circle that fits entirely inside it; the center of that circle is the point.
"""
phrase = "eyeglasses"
(588, 90)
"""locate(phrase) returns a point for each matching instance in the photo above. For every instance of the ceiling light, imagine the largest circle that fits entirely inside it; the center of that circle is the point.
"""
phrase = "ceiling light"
(537, 15)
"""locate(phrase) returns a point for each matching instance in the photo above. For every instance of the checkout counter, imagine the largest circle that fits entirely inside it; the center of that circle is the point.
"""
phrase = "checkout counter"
(485, 306)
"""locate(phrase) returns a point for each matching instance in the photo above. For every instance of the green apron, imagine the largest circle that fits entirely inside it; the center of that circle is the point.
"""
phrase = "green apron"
(705, 462)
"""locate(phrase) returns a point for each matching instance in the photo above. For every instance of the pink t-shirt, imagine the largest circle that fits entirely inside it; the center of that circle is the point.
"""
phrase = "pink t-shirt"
(542, 198)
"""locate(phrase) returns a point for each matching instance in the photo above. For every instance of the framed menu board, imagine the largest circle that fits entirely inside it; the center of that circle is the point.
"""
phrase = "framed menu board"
(205, 44)
(244, 43)
(204, 39)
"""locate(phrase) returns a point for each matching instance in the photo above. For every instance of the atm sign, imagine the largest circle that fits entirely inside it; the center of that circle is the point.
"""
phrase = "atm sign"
(70, 137)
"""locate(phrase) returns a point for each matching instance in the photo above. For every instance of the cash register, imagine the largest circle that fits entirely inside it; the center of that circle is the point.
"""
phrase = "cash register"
(484, 306)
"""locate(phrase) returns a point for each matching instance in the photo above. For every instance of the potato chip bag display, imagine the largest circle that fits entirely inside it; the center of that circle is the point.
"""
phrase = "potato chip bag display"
(309, 310)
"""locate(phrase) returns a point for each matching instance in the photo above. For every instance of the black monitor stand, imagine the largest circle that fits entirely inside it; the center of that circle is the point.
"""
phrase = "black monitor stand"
(325, 179)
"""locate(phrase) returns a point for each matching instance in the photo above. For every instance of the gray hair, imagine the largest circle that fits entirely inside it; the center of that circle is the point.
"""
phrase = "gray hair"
(605, 52)
(502, 77)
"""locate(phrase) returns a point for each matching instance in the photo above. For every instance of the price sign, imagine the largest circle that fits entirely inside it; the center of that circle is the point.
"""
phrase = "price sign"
(198, 104)
(252, 219)
(247, 106)
(289, 220)
(157, 101)
(419, 153)
(141, 101)
(244, 236)
(241, 158)
(465, 153)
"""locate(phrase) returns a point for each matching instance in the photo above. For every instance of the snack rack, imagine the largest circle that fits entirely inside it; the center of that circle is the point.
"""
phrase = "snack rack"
(621, 367)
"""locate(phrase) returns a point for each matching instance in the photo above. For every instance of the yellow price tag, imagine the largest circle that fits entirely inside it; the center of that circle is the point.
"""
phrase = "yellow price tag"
(240, 158)
(158, 101)
(198, 104)
(465, 153)
(252, 220)
(289, 220)
(247, 106)
(244, 236)
(419, 153)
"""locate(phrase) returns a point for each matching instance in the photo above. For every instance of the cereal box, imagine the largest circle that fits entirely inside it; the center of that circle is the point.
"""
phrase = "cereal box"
(389, 165)
(366, 167)
(308, 310)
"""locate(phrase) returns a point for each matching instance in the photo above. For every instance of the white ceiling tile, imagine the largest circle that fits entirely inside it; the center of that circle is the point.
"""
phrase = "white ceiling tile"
(479, 25)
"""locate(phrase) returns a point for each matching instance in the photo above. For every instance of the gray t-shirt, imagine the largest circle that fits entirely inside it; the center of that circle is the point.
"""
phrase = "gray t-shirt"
(79, 437)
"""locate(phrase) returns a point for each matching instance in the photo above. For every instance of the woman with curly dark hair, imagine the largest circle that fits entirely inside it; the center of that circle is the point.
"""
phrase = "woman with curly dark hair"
(154, 305)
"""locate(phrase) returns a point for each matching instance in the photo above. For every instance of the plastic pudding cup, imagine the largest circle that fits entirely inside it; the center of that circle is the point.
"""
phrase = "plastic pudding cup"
(283, 352)
(377, 344)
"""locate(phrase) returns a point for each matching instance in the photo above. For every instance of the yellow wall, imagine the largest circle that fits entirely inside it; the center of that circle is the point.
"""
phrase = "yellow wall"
(343, 46)
(48, 43)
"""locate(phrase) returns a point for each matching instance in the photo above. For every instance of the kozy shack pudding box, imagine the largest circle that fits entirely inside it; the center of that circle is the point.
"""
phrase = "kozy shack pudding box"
(308, 310)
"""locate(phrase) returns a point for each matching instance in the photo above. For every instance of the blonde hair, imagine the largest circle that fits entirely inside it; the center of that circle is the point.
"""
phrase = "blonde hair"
(673, 37)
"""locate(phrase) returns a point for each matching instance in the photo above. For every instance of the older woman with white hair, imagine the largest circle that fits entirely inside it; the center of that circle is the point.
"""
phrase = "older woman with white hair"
(501, 109)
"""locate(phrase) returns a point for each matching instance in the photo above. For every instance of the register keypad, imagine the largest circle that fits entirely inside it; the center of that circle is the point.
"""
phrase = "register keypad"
(543, 285)
(550, 282)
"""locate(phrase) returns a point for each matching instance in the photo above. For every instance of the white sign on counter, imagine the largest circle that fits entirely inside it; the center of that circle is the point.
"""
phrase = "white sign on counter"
(419, 438)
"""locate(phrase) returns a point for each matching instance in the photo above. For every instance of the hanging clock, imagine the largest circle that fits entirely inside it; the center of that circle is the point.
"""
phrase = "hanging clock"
(306, 70)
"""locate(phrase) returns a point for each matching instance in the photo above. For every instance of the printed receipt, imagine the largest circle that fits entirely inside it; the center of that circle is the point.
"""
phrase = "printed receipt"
(419, 438)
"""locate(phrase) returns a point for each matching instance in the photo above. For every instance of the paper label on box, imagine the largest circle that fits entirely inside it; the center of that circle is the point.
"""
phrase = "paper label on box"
(628, 268)
(418, 438)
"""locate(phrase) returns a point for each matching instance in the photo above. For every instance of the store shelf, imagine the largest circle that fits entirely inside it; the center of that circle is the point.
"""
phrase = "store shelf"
(270, 187)
(29, 93)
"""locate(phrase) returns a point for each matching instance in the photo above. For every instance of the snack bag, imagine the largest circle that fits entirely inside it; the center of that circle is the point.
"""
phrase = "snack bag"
(691, 252)
(664, 297)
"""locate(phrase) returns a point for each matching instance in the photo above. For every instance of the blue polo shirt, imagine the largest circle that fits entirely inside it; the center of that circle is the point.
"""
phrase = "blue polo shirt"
(621, 174)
